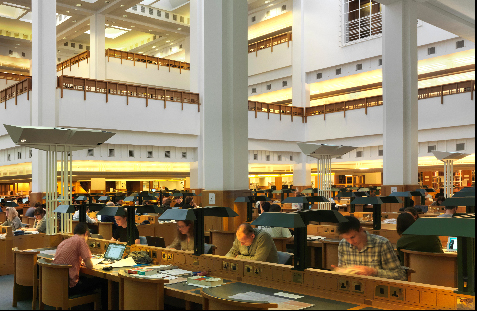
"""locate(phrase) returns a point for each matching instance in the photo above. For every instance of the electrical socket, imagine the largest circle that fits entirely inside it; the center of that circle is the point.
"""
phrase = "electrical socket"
(225, 265)
(170, 256)
(343, 284)
(164, 256)
(233, 266)
(297, 277)
(357, 287)
(248, 269)
(154, 254)
(257, 271)
(396, 293)
(381, 291)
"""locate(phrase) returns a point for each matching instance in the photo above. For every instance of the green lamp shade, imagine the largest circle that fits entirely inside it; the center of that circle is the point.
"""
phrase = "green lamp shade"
(310, 190)
(150, 209)
(316, 199)
(11, 204)
(130, 198)
(178, 214)
(458, 227)
(459, 201)
(81, 198)
(65, 209)
(467, 193)
(112, 211)
(418, 193)
(376, 200)
(285, 220)
(262, 198)
(296, 200)
(219, 211)
(103, 198)
(242, 200)
(346, 195)
(96, 206)
(364, 189)
(177, 194)
(405, 194)
(322, 216)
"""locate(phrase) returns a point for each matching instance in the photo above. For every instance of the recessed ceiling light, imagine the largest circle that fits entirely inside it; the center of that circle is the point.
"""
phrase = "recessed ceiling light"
(67, 11)
(125, 16)
(78, 4)
(133, 26)
(122, 5)
(168, 41)
(179, 28)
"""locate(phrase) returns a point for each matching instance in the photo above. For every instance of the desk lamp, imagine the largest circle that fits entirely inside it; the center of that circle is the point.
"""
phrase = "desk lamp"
(282, 193)
(311, 191)
(119, 211)
(376, 202)
(465, 192)
(350, 195)
(462, 227)
(305, 201)
(250, 200)
(149, 209)
(468, 202)
(65, 209)
(197, 215)
(10, 204)
(406, 195)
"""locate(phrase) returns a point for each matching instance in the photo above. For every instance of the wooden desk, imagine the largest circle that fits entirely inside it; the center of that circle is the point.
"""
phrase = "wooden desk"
(432, 268)
(3, 217)
(330, 254)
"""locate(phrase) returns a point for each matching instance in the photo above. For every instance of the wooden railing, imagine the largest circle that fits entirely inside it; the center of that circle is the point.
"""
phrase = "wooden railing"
(270, 42)
(14, 90)
(13, 77)
(128, 90)
(72, 61)
(277, 109)
(153, 62)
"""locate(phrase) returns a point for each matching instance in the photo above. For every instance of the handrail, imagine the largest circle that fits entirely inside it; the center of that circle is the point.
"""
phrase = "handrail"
(277, 109)
(16, 89)
(73, 60)
(13, 76)
(147, 59)
(270, 42)
(126, 89)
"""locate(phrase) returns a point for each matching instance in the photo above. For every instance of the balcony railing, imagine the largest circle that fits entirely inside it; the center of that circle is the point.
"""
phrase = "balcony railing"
(270, 42)
(14, 90)
(277, 109)
(13, 77)
(72, 61)
(151, 61)
(128, 90)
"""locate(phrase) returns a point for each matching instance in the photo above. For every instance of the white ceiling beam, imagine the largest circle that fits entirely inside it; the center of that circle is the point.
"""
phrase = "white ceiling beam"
(67, 31)
(151, 26)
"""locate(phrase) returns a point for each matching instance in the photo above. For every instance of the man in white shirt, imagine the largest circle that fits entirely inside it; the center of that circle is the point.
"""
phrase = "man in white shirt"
(89, 220)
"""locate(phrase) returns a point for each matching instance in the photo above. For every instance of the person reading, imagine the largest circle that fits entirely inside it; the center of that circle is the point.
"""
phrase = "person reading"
(189, 203)
(362, 253)
(185, 236)
(253, 244)
(12, 219)
(40, 222)
(121, 233)
(450, 211)
(421, 243)
(89, 220)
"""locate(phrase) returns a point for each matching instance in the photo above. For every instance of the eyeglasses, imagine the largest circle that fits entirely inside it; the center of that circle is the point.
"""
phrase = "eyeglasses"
(181, 227)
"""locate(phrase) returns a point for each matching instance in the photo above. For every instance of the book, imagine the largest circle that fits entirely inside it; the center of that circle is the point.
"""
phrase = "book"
(204, 281)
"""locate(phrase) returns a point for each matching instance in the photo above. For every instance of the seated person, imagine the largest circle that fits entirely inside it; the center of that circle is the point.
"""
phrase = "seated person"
(276, 232)
(367, 254)
(189, 203)
(264, 207)
(438, 201)
(89, 220)
(412, 211)
(253, 244)
(121, 233)
(12, 219)
(450, 211)
(107, 218)
(167, 203)
(421, 243)
(178, 202)
(40, 222)
(185, 236)
(298, 206)
(31, 210)
(73, 251)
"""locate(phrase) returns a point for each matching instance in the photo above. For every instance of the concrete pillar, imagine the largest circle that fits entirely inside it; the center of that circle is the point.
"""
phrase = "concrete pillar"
(97, 65)
(400, 90)
(43, 99)
(302, 173)
(300, 89)
(186, 47)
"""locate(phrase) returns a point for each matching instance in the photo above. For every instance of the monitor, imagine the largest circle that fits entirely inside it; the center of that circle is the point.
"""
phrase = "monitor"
(155, 241)
(153, 190)
(452, 244)
(115, 251)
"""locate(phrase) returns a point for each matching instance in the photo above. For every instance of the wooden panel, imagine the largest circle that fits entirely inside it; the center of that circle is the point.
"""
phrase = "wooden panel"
(106, 230)
(167, 231)
(423, 263)
(330, 254)
(146, 230)
(223, 240)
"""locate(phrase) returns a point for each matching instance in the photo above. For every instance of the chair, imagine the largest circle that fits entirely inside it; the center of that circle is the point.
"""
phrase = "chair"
(209, 248)
(408, 272)
(96, 236)
(54, 288)
(25, 273)
(285, 258)
(142, 240)
(132, 291)
(215, 303)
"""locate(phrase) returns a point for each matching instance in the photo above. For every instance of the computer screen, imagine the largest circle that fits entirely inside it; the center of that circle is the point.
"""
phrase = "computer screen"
(115, 251)
(153, 190)
(452, 244)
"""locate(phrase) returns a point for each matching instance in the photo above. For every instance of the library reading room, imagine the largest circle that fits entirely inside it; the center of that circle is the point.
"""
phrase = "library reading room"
(157, 154)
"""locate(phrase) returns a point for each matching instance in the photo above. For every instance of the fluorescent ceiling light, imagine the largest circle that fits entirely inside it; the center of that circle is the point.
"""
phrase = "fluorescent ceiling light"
(10, 11)
(113, 32)
(89, 1)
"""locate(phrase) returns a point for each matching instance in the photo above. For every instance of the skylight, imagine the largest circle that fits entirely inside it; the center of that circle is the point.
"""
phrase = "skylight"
(113, 32)
(10, 11)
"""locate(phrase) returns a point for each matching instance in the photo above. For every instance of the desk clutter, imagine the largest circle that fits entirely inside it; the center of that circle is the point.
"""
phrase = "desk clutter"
(283, 302)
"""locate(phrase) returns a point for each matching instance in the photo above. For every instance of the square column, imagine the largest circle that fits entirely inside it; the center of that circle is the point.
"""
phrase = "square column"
(97, 65)
(302, 173)
(400, 91)
(300, 89)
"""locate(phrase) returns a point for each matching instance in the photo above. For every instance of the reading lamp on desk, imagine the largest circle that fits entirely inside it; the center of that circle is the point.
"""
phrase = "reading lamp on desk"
(376, 202)
(250, 200)
(119, 211)
(197, 215)
(306, 201)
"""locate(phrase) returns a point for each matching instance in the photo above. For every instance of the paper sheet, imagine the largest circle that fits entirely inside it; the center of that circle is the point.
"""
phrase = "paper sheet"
(48, 252)
(128, 262)
(96, 261)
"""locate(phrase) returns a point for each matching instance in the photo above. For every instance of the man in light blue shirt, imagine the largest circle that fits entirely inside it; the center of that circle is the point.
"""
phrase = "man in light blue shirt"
(450, 211)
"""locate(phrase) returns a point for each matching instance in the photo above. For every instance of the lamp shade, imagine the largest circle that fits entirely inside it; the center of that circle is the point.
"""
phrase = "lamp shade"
(178, 214)
(242, 200)
(316, 199)
(405, 194)
(458, 227)
(112, 211)
(285, 220)
(375, 200)
(467, 193)
(322, 216)
(296, 200)
(94, 207)
(103, 198)
(10, 204)
(130, 198)
(81, 198)
(459, 201)
(261, 198)
(310, 190)
(218, 211)
(65, 209)
(149, 209)
(346, 195)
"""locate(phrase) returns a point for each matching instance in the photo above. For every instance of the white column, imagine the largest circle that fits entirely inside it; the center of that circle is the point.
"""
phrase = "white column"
(300, 89)
(194, 175)
(43, 68)
(400, 94)
(302, 171)
(97, 65)
(219, 73)
(186, 47)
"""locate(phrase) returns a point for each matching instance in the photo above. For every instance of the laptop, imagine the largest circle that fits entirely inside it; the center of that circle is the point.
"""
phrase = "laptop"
(155, 241)
(113, 253)
(452, 244)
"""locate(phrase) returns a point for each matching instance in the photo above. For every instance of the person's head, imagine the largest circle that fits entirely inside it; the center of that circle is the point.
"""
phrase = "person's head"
(164, 200)
(122, 221)
(178, 200)
(37, 204)
(185, 228)
(352, 231)
(404, 221)
(189, 200)
(264, 207)
(275, 208)
(110, 203)
(439, 200)
(245, 234)
(451, 210)
(120, 202)
(82, 230)
(39, 213)
(168, 202)
(412, 211)
(11, 213)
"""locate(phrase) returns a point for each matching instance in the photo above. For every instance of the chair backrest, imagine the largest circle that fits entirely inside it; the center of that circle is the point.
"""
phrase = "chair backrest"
(53, 283)
(96, 236)
(142, 240)
(134, 290)
(285, 258)
(211, 302)
(25, 267)
(208, 248)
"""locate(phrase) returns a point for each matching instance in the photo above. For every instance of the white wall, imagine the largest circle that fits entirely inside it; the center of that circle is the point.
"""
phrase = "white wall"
(266, 60)
(95, 113)
(6, 83)
(80, 69)
(274, 129)
(138, 74)
(18, 114)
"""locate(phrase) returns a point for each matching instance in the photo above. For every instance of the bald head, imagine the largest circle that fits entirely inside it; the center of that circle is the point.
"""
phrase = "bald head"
(245, 234)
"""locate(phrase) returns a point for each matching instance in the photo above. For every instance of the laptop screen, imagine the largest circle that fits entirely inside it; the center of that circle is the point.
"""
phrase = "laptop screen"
(115, 251)
(452, 244)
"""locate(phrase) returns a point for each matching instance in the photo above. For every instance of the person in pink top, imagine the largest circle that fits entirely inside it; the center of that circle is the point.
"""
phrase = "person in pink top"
(73, 251)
